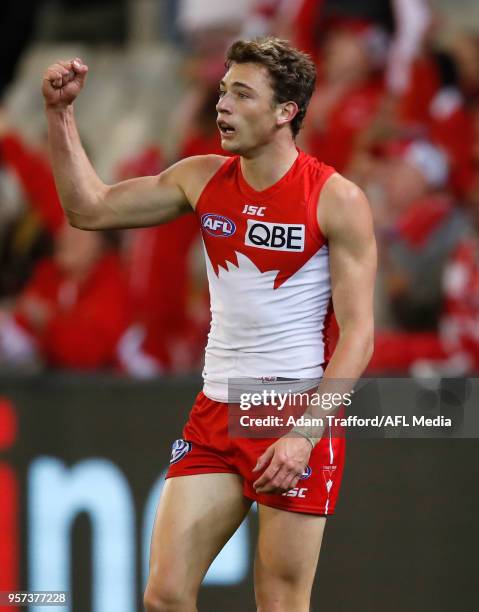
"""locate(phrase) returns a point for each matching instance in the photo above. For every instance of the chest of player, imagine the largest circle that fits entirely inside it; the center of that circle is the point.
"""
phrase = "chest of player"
(270, 226)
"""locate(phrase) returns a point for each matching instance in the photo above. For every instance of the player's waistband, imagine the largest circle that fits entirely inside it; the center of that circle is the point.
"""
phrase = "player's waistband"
(232, 389)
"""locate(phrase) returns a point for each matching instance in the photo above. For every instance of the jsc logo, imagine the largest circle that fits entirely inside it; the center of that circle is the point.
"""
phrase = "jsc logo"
(217, 225)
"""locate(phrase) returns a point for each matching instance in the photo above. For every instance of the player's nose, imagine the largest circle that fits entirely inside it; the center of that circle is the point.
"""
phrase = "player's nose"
(223, 105)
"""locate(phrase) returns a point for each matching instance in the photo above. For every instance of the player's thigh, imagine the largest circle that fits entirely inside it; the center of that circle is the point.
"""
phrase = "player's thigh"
(288, 551)
(195, 518)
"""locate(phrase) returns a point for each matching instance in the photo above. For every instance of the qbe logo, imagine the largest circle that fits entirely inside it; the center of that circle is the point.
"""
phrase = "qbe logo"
(217, 225)
(275, 236)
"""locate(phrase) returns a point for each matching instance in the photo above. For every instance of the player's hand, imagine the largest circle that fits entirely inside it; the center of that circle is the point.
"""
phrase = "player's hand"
(63, 81)
(287, 459)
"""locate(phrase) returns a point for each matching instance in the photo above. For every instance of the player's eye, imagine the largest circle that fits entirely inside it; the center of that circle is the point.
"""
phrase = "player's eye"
(242, 95)
(221, 93)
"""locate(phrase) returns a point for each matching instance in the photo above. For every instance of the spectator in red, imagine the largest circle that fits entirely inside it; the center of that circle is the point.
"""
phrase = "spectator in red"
(419, 230)
(32, 169)
(459, 328)
(27, 234)
(73, 310)
(348, 95)
(434, 105)
(453, 350)
(168, 330)
(296, 20)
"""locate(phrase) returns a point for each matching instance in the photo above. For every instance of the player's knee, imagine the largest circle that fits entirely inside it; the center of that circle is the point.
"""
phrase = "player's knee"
(281, 593)
(167, 598)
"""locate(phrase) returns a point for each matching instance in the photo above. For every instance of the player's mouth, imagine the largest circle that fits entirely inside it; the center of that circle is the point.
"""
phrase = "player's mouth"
(225, 128)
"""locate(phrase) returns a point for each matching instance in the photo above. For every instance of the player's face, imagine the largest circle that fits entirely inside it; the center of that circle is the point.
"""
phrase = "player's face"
(247, 117)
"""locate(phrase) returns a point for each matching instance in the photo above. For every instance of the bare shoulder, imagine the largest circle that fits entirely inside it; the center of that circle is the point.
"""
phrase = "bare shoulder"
(343, 209)
(192, 174)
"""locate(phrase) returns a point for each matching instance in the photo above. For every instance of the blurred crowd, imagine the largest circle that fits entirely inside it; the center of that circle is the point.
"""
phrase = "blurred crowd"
(396, 109)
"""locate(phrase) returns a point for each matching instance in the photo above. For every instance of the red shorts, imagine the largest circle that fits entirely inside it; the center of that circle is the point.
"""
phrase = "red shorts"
(207, 448)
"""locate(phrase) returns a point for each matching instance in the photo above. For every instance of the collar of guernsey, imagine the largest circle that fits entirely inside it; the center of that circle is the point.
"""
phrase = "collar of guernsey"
(268, 272)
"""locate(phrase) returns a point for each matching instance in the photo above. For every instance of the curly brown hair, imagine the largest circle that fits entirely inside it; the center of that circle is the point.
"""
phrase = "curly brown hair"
(292, 72)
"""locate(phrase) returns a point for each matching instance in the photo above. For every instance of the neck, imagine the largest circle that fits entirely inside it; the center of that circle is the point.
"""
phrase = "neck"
(267, 165)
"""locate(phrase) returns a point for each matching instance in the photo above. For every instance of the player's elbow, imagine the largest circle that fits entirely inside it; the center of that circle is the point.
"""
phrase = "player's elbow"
(80, 221)
(74, 219)
(87, 214)
(92, 222)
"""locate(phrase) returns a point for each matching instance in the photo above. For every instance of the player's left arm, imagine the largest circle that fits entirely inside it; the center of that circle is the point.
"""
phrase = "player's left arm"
(345, 219)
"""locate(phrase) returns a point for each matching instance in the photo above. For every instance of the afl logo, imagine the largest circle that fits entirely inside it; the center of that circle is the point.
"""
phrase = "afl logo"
(179, 449)
(307, 473)
(217, 225)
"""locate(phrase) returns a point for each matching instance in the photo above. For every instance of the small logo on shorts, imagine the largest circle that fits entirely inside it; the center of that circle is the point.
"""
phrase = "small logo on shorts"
(307, 473)
(296, 492)
(179, 449)
(328, 475)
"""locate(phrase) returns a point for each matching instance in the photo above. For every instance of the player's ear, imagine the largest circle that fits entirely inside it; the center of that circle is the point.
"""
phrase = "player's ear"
(286, 112)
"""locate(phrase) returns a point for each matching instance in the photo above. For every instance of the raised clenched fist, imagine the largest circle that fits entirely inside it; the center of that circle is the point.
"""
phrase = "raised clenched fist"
(63, 81)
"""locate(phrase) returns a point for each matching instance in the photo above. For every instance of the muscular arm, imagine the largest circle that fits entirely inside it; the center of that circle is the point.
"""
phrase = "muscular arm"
(88, 202)
(345, 218)
(91, 204)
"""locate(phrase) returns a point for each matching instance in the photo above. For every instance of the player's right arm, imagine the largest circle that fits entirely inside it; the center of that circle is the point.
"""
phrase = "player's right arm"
(88, 202)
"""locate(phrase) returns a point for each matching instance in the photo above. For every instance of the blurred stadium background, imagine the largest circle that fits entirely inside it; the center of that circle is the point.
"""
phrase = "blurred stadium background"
(102, 334)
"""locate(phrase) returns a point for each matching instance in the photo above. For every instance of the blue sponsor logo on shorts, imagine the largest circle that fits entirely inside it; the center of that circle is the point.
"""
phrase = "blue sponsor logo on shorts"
(307, 473)
(179, 449)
